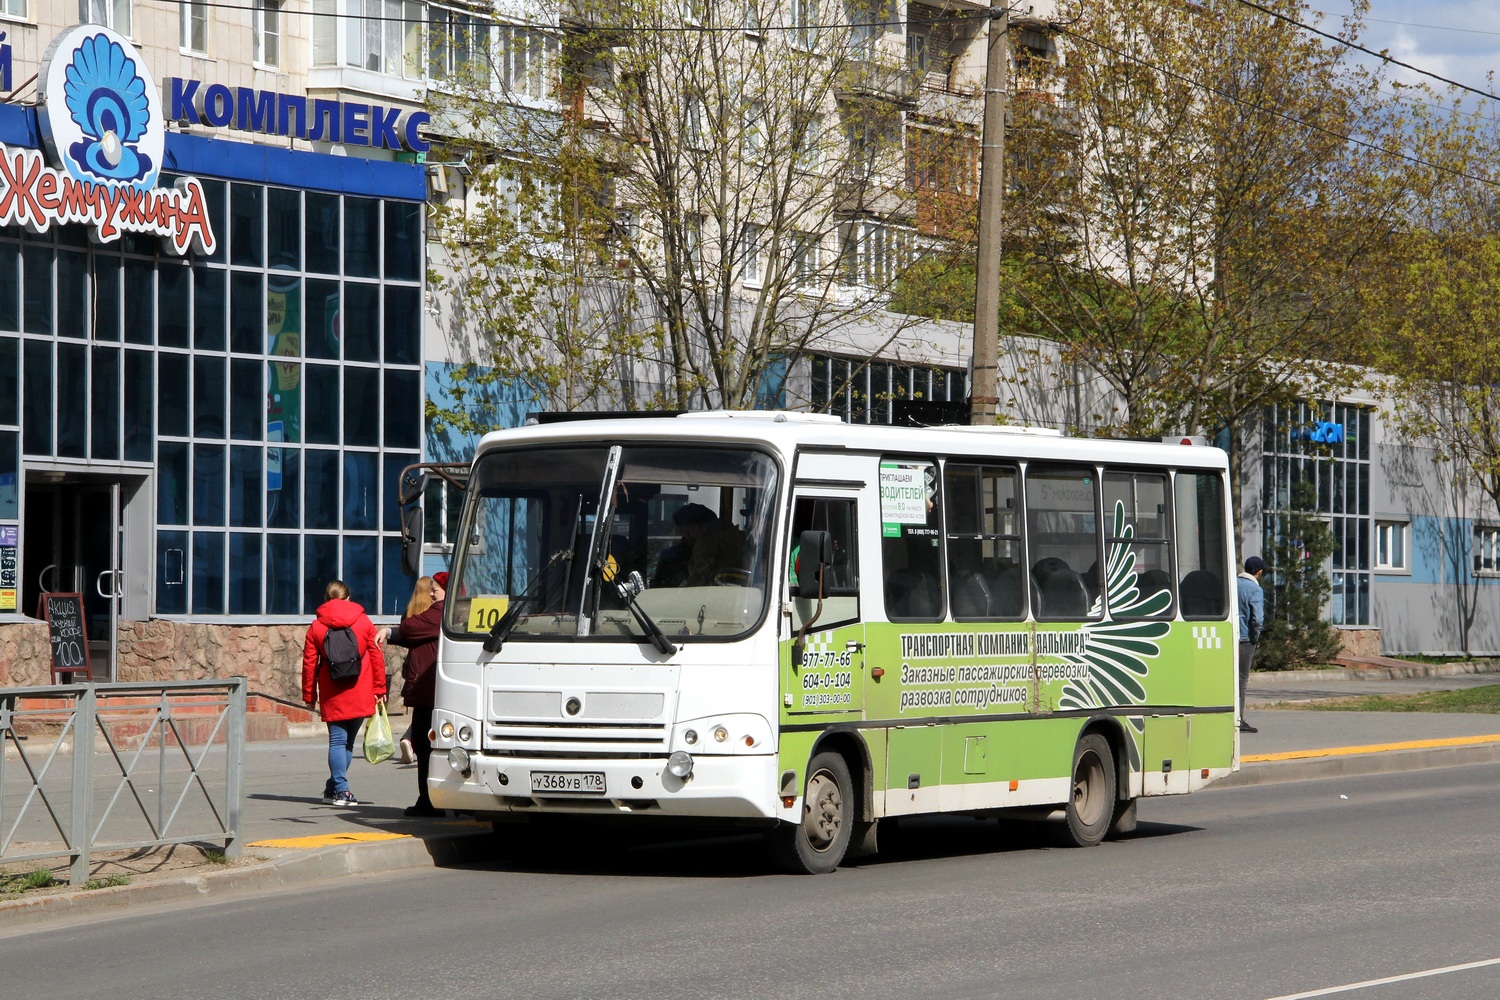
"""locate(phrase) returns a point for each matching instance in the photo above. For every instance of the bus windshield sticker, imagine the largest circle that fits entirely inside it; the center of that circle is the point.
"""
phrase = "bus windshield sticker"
(486, 610)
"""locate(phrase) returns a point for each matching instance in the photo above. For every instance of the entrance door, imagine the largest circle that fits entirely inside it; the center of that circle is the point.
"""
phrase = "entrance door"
(71, 544)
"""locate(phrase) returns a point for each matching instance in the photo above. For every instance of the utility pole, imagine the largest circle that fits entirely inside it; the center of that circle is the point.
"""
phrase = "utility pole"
(984, 393)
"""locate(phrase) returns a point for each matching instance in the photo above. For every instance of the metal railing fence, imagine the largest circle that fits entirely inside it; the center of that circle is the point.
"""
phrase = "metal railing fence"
(89, 768)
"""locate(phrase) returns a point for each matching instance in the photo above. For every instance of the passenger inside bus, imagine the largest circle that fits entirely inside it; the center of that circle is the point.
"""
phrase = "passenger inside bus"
(1202, 595)
(706, 552)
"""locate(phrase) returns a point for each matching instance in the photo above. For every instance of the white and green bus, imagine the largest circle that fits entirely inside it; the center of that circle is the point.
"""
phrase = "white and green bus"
(780, 620)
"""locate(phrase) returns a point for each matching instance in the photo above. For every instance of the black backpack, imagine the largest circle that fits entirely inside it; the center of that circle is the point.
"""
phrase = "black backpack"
(341, 650)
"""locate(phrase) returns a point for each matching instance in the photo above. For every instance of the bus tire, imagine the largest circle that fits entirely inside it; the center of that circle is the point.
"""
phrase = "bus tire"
(1124, 821)
(816, 845)
(1091, 804)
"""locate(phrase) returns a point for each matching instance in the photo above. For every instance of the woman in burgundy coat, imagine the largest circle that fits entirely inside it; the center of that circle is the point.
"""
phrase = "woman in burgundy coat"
(419, 634)
(344, 705)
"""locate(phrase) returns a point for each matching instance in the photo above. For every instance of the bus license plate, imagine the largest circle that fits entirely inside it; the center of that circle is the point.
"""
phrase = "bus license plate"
(568, 782)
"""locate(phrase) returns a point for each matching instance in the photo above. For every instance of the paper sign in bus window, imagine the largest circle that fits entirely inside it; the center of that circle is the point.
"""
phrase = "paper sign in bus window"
(905, 497)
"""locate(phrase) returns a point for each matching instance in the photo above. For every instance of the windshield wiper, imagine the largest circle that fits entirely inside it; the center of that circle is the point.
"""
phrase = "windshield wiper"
(628, 588)
(501, 630)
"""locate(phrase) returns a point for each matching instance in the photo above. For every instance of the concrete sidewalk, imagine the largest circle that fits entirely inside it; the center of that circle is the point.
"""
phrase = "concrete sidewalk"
(298, 838)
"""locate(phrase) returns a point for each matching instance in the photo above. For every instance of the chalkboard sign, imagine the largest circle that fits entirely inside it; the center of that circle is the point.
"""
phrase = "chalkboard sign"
(68, 633)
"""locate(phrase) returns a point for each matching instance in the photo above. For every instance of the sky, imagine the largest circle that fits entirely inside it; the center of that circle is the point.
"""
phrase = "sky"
(1457, 39)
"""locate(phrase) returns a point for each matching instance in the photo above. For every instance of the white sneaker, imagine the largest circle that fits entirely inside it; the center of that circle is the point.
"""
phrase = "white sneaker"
(408, 755)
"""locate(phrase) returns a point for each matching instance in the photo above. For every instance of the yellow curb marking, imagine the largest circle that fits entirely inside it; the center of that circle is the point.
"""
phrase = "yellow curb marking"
(329, 839)
(1452, 741)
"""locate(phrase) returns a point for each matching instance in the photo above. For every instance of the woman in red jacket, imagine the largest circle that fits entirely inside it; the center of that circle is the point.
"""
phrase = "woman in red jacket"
(344, 705)
(419, 634)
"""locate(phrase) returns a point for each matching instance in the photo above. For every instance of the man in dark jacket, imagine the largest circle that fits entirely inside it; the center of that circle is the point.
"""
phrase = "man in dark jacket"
(419, 634)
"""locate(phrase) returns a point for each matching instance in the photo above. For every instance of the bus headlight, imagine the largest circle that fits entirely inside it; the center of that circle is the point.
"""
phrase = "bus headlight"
(720, 734)
(458, 759)
(680, 764)
(690, 737)
(446, 730)
(465, 734)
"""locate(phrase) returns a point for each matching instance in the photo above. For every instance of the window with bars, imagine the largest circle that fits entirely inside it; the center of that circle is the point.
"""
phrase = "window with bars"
(867, 392)
(1486, 550)
(1327, 445)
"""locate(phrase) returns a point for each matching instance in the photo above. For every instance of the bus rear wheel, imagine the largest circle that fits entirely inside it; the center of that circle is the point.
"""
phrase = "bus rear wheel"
(1091, 805)
(817, 844)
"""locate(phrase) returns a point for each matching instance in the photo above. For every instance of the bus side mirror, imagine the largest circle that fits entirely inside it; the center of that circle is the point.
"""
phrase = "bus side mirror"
(411, 541)
(411, 487)
(814, 556)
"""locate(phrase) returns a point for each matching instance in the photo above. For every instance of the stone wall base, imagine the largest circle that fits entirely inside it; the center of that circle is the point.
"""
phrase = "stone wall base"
(268, 656)
(1361, 643)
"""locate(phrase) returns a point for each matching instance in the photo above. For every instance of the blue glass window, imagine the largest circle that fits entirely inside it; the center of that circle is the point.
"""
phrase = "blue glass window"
(172, 312)
(140, 401)
(215, 195)
(247, 312)
(171, 572)
(284, 225)
(361, 491)
(320, 563)
(362, 569)
(321, 488)
(10, 476)
(105, 409)
(403, 325)
(362, 237)
(403, 409)
(38, 415)
(247, 225)
(247, 399)
(10, 287)
(172, 417)
(208, 396)
(283, 488)
(395, 585)
(324, 404)
(246, 475)
(323, 319)
(390, 514)
(73, 295)
(106, 297)
(322, 233)
(209, 501)
(72, 400)
(36, 288)
(172, 482)
(10, 380)
(403, 240)
(209, 300)
(208, 572)
(140, 302)
(244, 573)
(362, 407)
(283, 574)
(361, 321)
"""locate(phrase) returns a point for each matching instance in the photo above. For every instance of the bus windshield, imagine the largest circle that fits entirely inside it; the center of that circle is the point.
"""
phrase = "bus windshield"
(582, 543)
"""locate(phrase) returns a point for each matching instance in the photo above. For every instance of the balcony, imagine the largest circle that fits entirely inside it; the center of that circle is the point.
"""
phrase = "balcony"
(872, 75)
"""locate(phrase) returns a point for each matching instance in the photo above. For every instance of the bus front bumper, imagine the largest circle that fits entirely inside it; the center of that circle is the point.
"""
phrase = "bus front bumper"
(740, 786)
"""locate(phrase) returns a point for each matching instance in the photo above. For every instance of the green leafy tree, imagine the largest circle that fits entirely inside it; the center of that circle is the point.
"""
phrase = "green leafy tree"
(716, 190)
(1296, 633)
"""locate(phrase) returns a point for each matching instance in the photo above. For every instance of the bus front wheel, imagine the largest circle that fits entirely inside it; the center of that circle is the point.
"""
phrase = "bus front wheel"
(817, 844)
(1091, 806)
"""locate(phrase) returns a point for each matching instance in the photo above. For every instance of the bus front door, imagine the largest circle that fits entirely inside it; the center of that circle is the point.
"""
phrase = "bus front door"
(823, 658)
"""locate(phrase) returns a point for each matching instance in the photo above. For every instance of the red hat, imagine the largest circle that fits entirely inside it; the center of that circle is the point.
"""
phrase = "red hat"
(441, 579)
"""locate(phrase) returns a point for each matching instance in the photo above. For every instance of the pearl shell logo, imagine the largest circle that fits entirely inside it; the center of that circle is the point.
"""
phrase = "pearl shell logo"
(103, 110)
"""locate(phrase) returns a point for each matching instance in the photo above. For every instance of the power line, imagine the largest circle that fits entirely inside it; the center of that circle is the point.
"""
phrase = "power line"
(1382, 56)
(1277, 113)
(608, 29)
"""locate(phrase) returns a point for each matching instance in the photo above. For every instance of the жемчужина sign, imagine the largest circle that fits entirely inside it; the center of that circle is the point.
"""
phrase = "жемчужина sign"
(37, 196)
(102, 122)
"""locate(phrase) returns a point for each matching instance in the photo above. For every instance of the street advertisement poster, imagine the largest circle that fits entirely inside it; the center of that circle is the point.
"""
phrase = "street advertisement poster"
(9, 536)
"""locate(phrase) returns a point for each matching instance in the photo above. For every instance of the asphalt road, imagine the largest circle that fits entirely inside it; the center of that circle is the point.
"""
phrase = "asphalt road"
(1261, 892)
